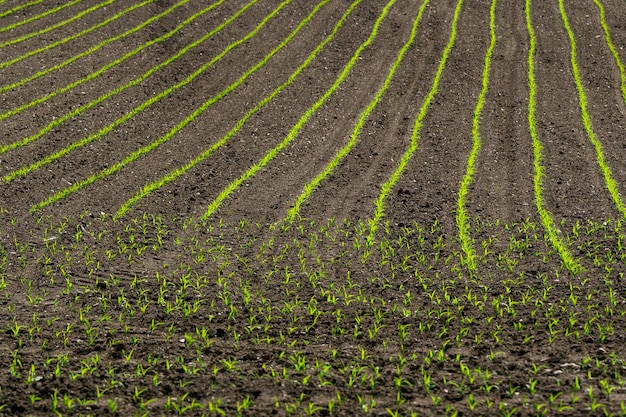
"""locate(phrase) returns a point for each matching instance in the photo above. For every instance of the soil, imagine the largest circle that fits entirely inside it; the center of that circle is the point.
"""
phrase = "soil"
(98, 311)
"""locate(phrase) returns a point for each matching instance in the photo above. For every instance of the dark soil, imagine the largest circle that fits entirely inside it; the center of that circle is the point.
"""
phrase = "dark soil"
(162, 312)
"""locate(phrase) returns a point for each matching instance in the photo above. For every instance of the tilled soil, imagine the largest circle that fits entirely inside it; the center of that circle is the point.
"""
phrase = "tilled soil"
(167, 311)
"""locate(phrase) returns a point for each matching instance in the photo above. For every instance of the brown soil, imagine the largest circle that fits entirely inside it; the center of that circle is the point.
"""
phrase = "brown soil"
(99, 312)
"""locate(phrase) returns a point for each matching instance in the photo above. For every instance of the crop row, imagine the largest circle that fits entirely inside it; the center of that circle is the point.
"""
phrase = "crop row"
(465, 187)
(38, 17)
(89, 51)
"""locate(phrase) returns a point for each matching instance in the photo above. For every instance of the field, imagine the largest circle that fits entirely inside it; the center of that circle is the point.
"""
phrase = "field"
(328, 207)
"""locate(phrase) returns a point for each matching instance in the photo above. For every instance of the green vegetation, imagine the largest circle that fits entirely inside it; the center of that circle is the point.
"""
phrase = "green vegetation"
(609, 42)
(171, 176)
(341, 154)
(611, 184)
(230, 188)
(462, 220)
(19, 7)
(387, 187)
(129, 115)
(546, 218)
(144, 150)
(37, 17)
(67, 39)
(100, 71)
(368, 339)
(133, 313)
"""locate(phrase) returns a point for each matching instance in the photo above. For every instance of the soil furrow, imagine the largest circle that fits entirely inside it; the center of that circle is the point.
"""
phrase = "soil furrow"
(283, 181)
(203, 88)
(601, 82)
(429, 187)
(121, 104)
(207, 180)
(351, 190)
(141, 88)
(139, 52)
(573, 184)
(386, 298)
(504, 173)
(51, 56)
(49, 19)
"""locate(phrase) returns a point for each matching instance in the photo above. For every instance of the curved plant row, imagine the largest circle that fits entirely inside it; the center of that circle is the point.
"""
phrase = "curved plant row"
(153, 145)
(178, 172)
(387, 187)
(269, 156)
(546, 217)
(140, 315)
(106, 67)
(462, 219)
(41, 16)
(612, 48)
(234, 185)
(154, 99)
(611, 184)
(18, 8)
(75, 36)
(310, 187)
